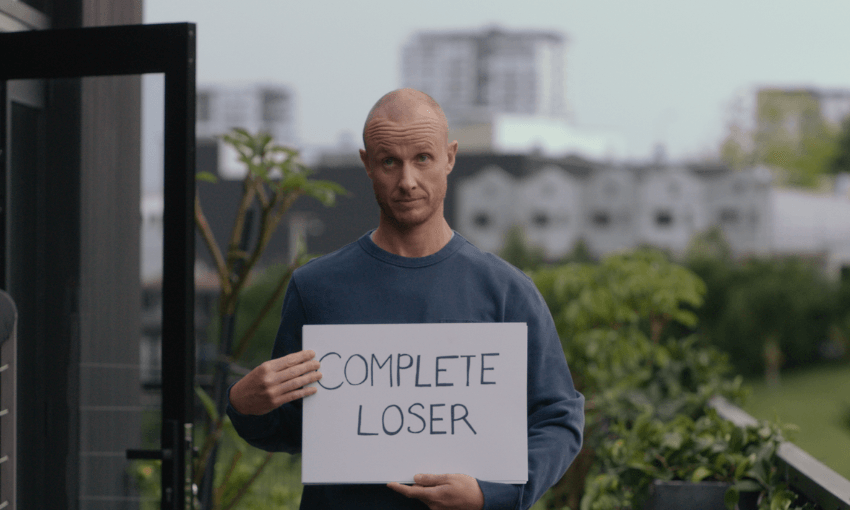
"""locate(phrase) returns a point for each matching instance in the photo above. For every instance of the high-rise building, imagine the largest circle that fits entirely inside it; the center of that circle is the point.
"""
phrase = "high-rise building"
(257, 107)
(474, 75)
(254, 107)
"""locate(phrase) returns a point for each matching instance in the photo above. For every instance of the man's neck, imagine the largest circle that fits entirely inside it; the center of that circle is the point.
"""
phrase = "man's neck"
(421, 241)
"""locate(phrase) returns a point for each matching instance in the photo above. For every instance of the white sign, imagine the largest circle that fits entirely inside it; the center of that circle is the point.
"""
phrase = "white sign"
(400, 399)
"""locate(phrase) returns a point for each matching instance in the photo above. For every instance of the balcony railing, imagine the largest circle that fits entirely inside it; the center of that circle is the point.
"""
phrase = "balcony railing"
(8, 443)
(803, 473)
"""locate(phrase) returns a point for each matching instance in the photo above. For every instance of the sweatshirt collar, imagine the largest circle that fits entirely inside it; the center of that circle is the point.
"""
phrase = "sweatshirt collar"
(379, 253)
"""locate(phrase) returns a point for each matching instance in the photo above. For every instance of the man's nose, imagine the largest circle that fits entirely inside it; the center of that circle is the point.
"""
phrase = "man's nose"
(407, 177)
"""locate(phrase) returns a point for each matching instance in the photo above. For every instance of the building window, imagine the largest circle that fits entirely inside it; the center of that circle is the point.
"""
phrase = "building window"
(540, 219)
(274, 106)
(663, 218)
(601, 219)
(481, 220)
(729, 216)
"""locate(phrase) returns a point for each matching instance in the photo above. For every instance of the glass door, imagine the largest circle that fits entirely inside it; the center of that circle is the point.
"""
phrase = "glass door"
(70, 214)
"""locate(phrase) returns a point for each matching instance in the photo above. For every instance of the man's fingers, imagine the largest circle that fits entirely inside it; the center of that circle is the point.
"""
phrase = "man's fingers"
(275, 376)
(423, 487)
(404, 490)
(443, 492)
(291, 360)
(427, 480)
(294, 385)
(297, 370)
(296, 394)
(276, 382)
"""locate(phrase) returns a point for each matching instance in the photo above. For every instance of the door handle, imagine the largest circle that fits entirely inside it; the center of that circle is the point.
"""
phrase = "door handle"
(171, 482)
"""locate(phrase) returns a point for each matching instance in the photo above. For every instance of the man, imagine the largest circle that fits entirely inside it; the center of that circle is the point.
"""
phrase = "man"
(412, 269)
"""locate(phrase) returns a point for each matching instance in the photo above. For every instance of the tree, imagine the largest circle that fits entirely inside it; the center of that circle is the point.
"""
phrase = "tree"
(274, 180)
(517, 251)
(790, 134)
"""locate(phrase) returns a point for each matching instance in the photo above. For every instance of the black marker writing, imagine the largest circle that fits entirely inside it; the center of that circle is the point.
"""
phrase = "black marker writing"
(483, 368)
(381, 365)
(438, 370)
(360, 422)
(365, 370)
(399, 368)
(410, 410)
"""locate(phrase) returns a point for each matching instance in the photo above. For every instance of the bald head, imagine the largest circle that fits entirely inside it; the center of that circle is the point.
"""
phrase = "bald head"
(404, 105)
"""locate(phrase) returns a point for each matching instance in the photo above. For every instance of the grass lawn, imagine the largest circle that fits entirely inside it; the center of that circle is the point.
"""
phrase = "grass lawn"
(818, 402)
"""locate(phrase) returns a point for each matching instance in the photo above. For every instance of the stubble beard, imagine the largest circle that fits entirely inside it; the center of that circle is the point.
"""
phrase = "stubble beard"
(405, 224)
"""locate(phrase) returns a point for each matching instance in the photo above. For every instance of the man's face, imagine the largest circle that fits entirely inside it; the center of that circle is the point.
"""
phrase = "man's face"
(409, 161)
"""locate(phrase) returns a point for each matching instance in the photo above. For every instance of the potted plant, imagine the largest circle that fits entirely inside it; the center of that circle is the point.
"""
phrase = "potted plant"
(708, 462)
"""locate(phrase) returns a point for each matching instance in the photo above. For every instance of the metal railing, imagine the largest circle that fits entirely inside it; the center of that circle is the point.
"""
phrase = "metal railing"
(8, 400)
(803, 473)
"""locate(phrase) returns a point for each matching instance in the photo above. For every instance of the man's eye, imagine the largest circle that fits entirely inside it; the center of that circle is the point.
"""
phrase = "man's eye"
(423, 158)
(388, 161)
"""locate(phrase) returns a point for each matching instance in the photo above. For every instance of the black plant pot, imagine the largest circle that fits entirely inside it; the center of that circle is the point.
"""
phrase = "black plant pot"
(677, 495)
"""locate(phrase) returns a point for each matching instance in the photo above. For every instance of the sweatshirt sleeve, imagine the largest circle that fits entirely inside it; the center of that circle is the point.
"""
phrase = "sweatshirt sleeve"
(279, 430)
(555, 410)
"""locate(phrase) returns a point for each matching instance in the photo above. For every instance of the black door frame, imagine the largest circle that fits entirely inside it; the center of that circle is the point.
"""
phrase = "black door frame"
(131, 50)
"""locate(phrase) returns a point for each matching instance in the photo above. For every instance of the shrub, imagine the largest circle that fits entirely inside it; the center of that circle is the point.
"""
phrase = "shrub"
(788, 302)
(612, 319)
(709, 448)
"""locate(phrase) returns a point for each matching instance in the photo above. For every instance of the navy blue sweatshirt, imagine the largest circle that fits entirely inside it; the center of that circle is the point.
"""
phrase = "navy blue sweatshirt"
(363, 284)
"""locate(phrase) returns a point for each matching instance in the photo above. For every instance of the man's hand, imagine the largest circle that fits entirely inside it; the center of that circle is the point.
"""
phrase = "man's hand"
(444, 492)
(275, 383)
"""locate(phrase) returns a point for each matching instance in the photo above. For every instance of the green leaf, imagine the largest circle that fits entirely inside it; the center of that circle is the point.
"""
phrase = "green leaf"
(293, 182)
(324, 191)
(673, 440)
(782, 499)
(700, 474)
(259, 169)
(206, 177)
(743, 465)
(748, 486)
(736, 440)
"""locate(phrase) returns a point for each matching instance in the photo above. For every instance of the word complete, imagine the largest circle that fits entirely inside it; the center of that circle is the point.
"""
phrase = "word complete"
(447, 370)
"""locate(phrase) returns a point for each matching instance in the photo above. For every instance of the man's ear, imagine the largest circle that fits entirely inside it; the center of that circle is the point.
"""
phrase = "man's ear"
(365, 159)
(451, 153)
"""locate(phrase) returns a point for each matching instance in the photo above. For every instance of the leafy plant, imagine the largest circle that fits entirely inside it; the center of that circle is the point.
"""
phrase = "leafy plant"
(613, 319)
(749, 303)
(275, 178)
(633, 455)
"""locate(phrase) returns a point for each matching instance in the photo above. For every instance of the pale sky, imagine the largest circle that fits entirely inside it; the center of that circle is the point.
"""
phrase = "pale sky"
(653, 71)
